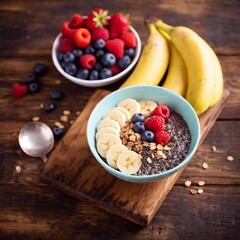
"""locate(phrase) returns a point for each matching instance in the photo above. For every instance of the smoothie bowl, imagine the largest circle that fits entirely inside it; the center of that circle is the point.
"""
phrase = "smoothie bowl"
(143, 133)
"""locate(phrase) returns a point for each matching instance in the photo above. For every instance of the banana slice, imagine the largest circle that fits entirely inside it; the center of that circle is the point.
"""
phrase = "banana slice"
(129, 162)
(124, 111)
(117, 116)
(106, 130)
(105, 142)
(147, 106)
(113, 152)
(107, 122)
(131, 105)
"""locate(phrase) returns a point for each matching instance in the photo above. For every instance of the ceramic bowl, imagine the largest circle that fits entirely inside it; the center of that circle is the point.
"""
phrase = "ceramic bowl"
(100, 82)
(158, 94)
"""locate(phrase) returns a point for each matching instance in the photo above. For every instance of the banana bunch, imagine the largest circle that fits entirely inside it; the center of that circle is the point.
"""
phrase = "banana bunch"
(194, 70)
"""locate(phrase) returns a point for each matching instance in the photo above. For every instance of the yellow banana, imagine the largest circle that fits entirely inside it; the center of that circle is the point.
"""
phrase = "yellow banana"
(153, 61)
(201, 69)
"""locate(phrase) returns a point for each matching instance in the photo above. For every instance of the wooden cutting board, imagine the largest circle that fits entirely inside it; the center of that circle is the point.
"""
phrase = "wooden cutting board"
(72, 169)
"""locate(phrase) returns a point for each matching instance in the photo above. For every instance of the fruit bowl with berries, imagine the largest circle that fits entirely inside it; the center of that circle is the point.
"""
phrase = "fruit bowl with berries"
(143, 133)
(97, 49)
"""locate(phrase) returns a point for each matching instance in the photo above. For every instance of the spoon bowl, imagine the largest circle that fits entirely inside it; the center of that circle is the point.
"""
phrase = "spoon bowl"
(36, 139)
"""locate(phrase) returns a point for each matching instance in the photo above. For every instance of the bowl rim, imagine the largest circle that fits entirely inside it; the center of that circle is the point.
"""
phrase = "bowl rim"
(145, 178)
(99, 82)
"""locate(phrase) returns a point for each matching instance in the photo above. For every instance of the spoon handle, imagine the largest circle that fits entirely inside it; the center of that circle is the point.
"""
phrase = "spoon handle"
(44, 158)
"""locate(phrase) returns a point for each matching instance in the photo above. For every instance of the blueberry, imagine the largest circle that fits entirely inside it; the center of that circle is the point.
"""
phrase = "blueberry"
(105, 73)
(99, 44)
(98, 66)
(137, 117)
(147, 136)
(69, 57)
(48, 107)
(77, 52)
(40, 69)
(83, 73)
(129, 52)
(124, 61)
(33, 87)
(89, 50)
(138, 127)
(63, 65)
(58, 132)
(56, 95)
(108, 59)
(71, 69)
(94, 75)
(60, 56)
(31, 77)
(99, 53)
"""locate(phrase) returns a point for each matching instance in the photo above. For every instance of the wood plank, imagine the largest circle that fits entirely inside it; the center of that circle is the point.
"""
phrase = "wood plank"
(72, 169)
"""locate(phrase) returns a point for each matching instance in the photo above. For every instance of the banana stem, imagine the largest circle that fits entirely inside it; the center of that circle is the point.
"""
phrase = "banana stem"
(151, 27)
(163, 26)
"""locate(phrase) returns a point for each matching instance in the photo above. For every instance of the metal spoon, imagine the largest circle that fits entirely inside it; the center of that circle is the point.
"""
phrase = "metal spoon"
(36, 139)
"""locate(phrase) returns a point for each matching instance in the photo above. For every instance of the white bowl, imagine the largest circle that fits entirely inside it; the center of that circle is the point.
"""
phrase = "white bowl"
(100, 82)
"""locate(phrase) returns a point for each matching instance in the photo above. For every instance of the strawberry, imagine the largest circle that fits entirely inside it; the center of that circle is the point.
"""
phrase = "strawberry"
(97, 18)
(129, 39)
(162, 137)
(162, 110)
(82, 37)
(66, 45)
(155, 123)
(19, 90)
(116, 47)
(88, 61)
(118, 24)
(77, 21)
(67, 31)
(115, 69)
(100, 32)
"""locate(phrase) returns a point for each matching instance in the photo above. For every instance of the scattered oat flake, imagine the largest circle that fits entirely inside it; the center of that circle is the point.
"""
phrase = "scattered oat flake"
(193, 191)
(57, 124)
(64, 118)
(149, 160)
(36, 119)
(78, 112)
(200, 190)
(18, 169)
(57, 82)
(230, 158)
(66, 112)
(205, 165)
(188, 183)
(41, 105)
(214, 149)
(72, 121)
(201, 183)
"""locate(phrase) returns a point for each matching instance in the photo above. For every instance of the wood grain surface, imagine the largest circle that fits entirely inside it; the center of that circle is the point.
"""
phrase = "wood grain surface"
(30, 209)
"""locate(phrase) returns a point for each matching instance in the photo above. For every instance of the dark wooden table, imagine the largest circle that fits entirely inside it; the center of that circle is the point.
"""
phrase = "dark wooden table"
(30, 209)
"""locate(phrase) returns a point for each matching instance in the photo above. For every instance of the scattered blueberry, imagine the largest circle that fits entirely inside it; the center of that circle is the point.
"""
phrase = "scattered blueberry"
(108, 59)
(105, 73)
(48, 107)
(147, 136)
(71, 69)
(99, 44)
(89, 49)
(40, 69)
(58, 132)
(99, 53)
(77, 52)
(56, 95)
(83, 73)
(129, 52)
(139, 127)
(137, 117)
(31, 77)
(69, 57)
(124, 62)
(98, 66)
(33, 87)
(60, 56)
(94, 75)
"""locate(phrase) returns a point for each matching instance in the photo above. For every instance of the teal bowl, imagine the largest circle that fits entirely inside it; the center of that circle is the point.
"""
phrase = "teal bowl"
(142, 92)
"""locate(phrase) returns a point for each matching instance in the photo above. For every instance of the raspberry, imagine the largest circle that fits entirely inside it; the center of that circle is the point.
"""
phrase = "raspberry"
(162, 110)
(82, 37)
(77, 21)
(155, 123)
(116, 47)
(100, 33)
(66, 45)
(129, 39)
(88, 61)
(162, 137)
(19, 90)
(67, 31)
(115, 69)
